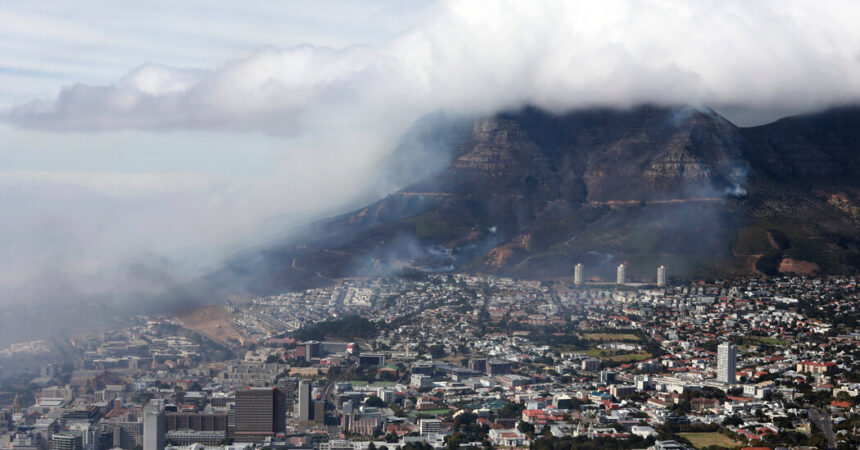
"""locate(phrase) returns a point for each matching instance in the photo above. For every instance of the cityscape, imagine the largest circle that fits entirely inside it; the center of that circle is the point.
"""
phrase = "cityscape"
(449, 360)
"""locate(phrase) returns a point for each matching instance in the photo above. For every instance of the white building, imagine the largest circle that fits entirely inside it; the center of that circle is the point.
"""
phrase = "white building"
(726, 362)
(154, 425)
(429, 426)
(621, 275)
(577, 274)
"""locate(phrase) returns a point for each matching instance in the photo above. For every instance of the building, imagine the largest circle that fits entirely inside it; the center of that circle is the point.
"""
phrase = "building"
(621, 391)
(423, 368)
(305, 412)
(189, 437)
(429, 426)
(319, 411)
(498, 367)
(5, 421)
(371, 359)
(607, 377)
(127, 434)
(590, 364)
(478, 365)
(67, 440)
(661, 276)
(196, 421)
(815, 367)
(726, 363)
(577, 274)
(154, 425)
(621, 274)
(258, 414)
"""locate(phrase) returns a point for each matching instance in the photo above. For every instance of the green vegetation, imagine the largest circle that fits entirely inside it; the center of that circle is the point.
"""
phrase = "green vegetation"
(435, 412)
(611, 337)
(760, 340)
(353, 327)
(429, 225)
(616, 355)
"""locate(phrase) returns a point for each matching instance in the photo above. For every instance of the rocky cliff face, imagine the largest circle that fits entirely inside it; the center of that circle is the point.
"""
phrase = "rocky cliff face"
(529, 193)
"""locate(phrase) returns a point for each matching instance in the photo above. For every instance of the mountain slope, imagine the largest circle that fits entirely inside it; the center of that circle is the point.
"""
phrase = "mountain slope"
(529, 193)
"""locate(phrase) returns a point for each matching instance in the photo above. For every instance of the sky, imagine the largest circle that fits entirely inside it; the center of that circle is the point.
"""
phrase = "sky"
(175, 131)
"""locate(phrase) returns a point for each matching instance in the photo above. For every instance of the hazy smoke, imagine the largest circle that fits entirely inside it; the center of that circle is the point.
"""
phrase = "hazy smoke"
(342, 111)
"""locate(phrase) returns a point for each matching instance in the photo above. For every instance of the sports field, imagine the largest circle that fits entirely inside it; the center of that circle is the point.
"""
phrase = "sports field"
(701, 440)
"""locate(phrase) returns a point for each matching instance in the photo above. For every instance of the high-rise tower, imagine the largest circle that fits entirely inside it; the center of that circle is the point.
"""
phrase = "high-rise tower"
(661, 276)
(257, 413)
(726, 362)
(621, 274)
(577, 274)
(305, 407)
(154, 425)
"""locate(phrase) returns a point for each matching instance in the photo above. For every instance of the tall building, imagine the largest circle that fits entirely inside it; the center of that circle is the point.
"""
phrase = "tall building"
(319, 411)
(67, 440)
(257, 414)
(577, 274)
(154, 425)
(726, 362)
(661, 276)
(621, 275)
(305, 412)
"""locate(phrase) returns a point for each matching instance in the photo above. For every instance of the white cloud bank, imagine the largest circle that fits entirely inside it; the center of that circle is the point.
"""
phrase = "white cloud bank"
(480, 56)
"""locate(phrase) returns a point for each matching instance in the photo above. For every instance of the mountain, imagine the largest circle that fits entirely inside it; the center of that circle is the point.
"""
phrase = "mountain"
(529, 193)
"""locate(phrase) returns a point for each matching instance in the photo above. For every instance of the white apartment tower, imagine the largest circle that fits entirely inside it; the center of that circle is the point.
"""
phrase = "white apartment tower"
(661, 276)
(727, 355)
(154, 425)
(621, 275)
(577, 274)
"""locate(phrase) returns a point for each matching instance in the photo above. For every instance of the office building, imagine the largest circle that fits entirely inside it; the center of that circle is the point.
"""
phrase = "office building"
(154, 425)
(196, 421)
(477, 365)
(305, 411)
(621, 274)
(259, 413)
(319, 411)
(67, 440)
(607, 377)
(371, 359)
(429, 426)
(726, 362)
(590, 364)
(661, 276)
(577, 274)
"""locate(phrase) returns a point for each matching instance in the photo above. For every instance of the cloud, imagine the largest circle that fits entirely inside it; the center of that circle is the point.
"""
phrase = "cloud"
(480, 56)
(337, 110)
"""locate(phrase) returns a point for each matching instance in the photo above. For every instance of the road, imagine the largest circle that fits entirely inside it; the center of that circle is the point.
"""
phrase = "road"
(822, 419)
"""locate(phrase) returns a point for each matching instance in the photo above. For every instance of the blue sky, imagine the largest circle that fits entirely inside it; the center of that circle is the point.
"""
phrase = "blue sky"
(47, 45)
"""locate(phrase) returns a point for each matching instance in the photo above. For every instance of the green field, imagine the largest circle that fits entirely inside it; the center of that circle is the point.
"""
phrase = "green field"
(610, 336)
(700, 440)
(753, 340)
(435, 412)
(611, 355)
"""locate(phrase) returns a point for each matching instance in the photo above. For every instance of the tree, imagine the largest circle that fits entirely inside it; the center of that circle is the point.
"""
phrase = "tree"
(526, 428)
(437, 351)
(374, 402)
